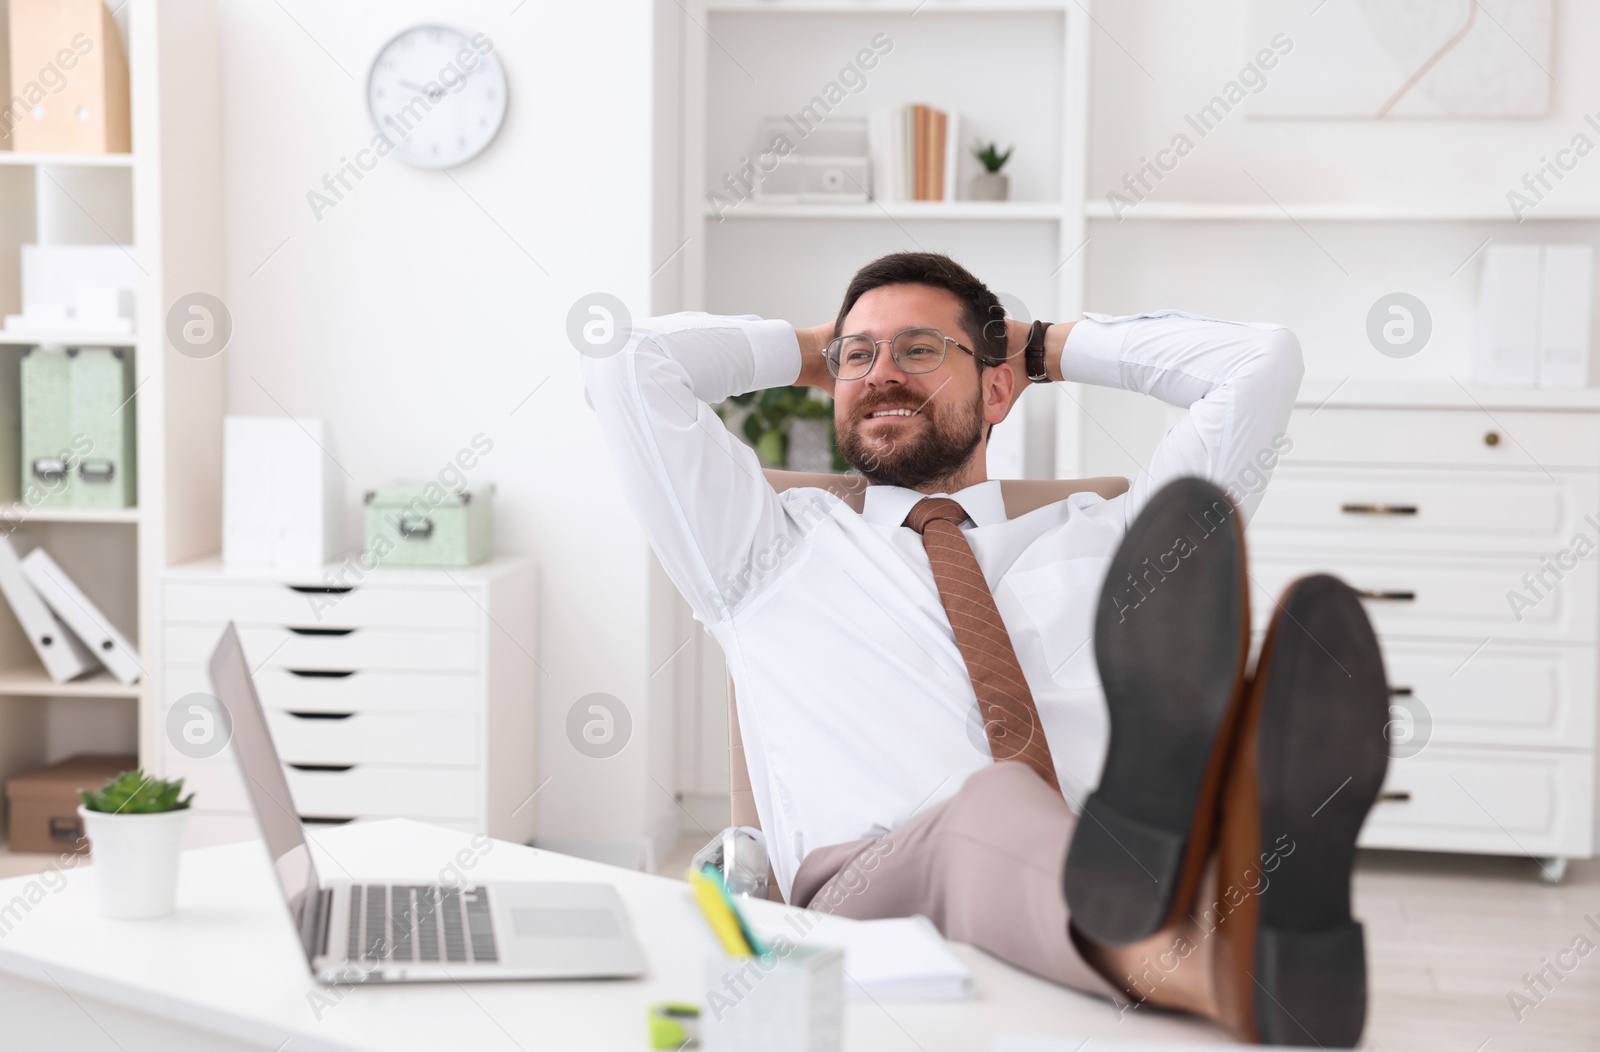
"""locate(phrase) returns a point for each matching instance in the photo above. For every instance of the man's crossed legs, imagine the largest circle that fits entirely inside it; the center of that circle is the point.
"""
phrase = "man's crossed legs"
(1210, 870)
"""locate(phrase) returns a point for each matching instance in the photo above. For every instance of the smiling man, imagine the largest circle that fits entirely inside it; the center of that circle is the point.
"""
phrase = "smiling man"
(1037, 731)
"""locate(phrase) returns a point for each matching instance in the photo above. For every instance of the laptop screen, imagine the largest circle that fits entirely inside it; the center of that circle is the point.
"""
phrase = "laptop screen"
(263, 777)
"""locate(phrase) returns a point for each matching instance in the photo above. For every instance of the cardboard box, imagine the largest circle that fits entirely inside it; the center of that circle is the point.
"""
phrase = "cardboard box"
(69, 70)
(44, 803)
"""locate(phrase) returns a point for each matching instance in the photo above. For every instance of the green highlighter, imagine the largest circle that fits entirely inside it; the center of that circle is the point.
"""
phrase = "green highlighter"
(674, 1025)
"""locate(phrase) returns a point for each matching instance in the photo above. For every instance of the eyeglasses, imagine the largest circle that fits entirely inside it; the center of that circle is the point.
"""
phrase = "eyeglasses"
(914, 351)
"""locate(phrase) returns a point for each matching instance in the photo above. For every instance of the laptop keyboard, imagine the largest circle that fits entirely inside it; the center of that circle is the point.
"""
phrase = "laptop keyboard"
(420, 923)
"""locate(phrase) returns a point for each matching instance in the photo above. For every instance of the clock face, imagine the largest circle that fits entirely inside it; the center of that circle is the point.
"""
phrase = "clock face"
(437, 95)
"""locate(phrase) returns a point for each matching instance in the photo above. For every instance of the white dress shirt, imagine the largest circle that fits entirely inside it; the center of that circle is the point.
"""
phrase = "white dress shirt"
(854, 703)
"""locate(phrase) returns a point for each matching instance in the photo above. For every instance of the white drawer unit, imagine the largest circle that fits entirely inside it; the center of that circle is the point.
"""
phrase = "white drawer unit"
(390, 693)
(1470, 526)
(332, 649)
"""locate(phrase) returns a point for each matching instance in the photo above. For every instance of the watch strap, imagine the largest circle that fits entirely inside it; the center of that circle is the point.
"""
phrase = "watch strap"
(1033, 354)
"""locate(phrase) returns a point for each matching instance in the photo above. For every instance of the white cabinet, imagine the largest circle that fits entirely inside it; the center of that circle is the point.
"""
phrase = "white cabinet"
(391, 693)
(1442, 508)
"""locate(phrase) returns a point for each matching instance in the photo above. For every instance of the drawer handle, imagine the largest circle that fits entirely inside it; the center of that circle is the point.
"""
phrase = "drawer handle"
(1395, 796)
(317, 820)
(67, 829)
(1400, 692)
(318, 673)
(322, 589)
(321, 631)
(321, 715)
(1378, 509)
(1491, 438)
(1379, 593)
(331, 768)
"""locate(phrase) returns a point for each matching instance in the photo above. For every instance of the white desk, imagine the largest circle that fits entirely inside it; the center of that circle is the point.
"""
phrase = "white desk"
(225, 971)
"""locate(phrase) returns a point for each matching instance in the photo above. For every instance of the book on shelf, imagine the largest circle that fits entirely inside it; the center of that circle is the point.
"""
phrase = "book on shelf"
(915, 152)
(63, 655)
(62, 594)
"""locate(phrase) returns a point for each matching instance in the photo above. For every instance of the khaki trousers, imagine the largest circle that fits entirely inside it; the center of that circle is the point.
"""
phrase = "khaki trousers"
(985, 866)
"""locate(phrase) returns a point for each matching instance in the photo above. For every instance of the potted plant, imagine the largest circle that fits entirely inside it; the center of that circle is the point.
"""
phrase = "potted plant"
(990, 184)
(135, 828)
(789, 427)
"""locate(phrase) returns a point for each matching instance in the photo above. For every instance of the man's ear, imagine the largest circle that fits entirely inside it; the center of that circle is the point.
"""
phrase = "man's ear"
(1000, 391)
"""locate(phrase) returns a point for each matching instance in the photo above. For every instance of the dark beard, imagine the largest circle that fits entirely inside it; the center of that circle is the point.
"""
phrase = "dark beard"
(939, 452)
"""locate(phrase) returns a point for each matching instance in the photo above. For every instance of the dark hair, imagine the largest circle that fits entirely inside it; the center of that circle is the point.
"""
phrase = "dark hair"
(982, 315)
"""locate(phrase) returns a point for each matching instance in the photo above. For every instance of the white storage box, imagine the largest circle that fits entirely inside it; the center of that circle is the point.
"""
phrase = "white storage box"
(281, 493)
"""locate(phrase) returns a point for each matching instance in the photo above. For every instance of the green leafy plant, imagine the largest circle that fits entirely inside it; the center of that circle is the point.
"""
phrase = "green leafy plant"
(991, 159)
(136, 793)
(771, 413)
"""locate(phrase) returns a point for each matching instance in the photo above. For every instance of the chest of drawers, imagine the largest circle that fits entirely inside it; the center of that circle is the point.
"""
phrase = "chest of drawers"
(390, 693)
(1470, 524)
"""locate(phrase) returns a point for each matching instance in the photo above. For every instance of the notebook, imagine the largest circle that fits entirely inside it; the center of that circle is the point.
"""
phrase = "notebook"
(898, 959)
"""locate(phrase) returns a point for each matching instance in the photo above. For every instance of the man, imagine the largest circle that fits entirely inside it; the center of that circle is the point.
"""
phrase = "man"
(922, 713)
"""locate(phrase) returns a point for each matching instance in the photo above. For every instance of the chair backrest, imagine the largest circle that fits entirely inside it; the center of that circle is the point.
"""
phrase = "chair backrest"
(1020, 495)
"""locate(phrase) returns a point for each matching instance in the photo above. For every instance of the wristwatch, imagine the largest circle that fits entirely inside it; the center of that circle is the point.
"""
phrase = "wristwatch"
(1033, 353)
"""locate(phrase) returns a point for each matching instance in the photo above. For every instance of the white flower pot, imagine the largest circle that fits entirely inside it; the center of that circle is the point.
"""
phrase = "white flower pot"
(991, 186)
(135, 860)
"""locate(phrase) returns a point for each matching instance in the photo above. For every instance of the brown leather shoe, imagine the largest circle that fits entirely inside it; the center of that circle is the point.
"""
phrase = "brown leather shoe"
(1172, 638)
(1290, 961)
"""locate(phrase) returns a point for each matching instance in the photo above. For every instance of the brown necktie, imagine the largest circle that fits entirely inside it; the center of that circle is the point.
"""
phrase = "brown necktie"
(1010, 718)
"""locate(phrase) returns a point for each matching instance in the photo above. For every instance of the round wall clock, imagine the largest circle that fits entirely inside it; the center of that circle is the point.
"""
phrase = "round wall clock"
(437, 95)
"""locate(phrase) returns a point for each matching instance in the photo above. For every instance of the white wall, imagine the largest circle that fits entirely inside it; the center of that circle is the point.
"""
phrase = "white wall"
(425, 308)
(1156, 60)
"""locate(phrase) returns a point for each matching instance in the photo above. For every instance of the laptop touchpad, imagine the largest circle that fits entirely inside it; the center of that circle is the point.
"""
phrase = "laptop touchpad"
(534, 923)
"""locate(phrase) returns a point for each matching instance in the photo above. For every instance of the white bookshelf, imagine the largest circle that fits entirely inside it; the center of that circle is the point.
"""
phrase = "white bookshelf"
(1332, 212)
(987, 211)
(980, 58)
(42, 337)
(162, 204)
(15, 159)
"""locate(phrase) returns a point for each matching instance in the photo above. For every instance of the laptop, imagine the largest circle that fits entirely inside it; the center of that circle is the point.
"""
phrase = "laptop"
(406, 930)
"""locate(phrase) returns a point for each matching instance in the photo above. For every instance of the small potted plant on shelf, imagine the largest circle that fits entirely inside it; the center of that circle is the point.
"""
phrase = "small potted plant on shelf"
(990, 184)
(135, 828)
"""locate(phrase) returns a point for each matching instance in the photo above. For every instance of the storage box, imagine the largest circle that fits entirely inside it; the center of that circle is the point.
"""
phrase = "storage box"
(102, 423)
(44, 803)
(70, 73)
(282, 493)
(88, 290)
(48, 456)
(78, 428)
(424, 524)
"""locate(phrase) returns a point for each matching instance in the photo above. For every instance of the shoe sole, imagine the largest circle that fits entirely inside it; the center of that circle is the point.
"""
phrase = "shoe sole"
(1290, 964)
(1171, 650)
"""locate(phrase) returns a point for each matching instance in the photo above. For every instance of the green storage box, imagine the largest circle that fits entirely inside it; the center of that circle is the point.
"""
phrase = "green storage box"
(425, 524)
(78, 428)
(48, 455)
(102, 419)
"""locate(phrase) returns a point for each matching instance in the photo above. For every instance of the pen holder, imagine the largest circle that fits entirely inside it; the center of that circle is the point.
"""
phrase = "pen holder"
(790, 999)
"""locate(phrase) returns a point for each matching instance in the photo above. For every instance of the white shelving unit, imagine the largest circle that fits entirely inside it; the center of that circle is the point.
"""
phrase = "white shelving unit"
(162, 204)
(1328, 212)
(745, 60)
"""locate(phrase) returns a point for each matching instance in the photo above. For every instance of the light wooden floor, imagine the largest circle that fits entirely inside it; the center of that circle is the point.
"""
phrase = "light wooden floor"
(1448, 937)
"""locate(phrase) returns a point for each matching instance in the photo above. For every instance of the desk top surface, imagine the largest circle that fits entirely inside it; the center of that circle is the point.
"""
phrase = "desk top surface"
(227, 961)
